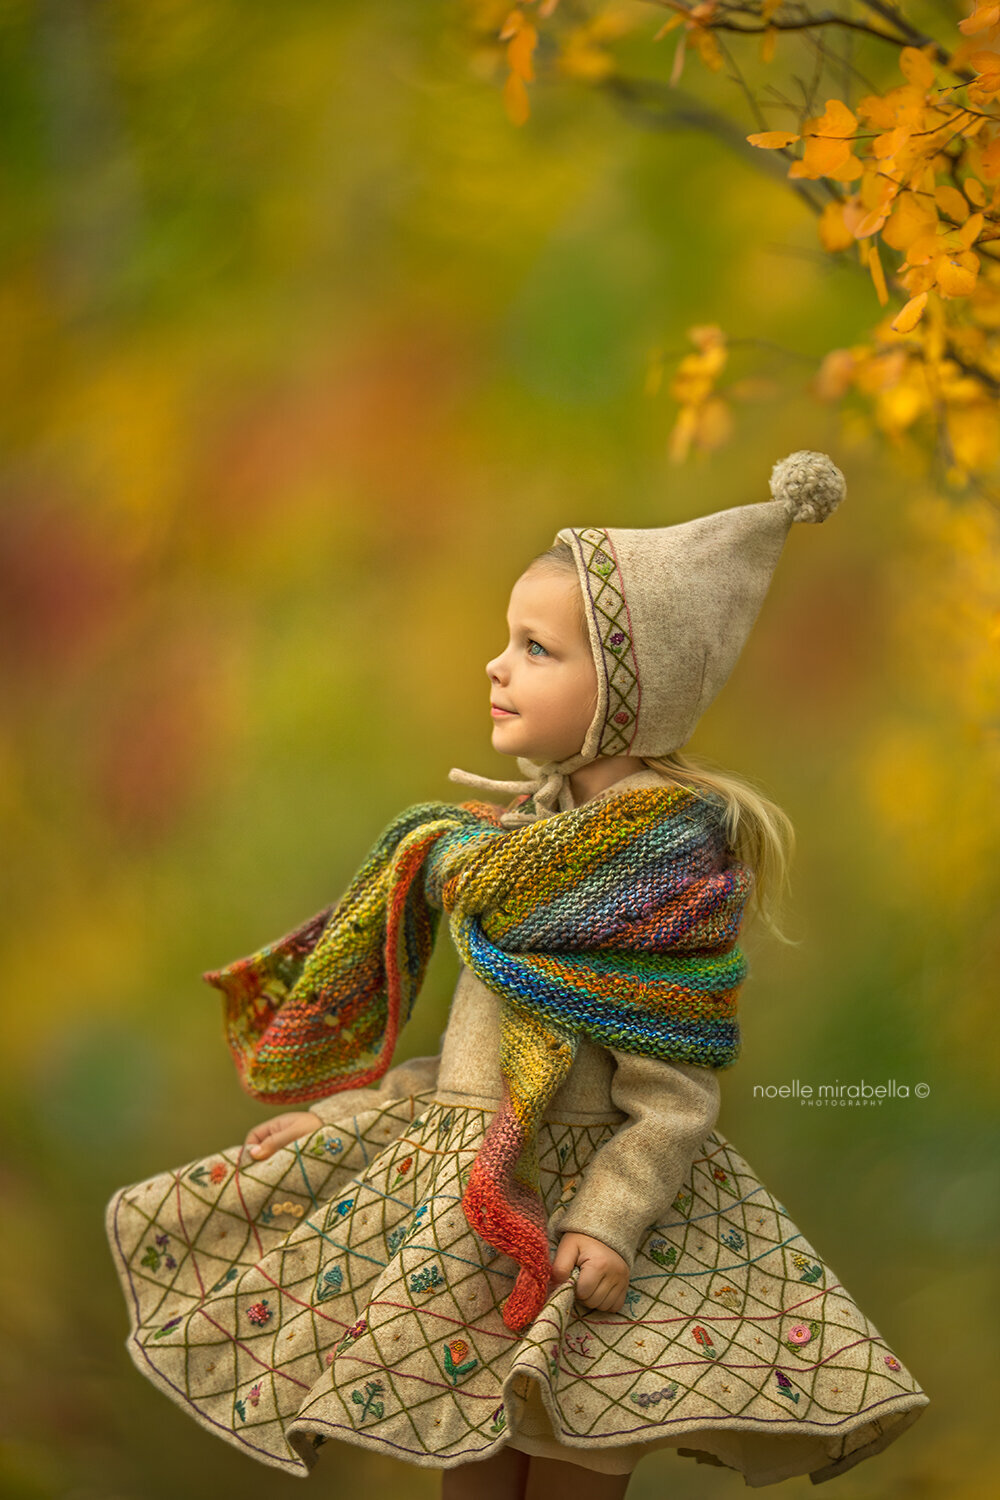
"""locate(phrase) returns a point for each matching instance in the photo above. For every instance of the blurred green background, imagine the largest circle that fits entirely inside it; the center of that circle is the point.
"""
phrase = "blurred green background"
(307, 350)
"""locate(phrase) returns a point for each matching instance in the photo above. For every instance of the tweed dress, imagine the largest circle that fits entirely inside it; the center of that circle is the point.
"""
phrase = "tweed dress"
(335, 1292)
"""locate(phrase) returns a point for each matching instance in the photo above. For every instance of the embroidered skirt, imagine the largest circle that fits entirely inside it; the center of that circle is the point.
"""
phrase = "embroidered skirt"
(336, 1291)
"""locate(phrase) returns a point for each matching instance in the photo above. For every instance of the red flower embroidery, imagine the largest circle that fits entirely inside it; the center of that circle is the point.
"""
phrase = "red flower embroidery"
(218, 1172)
(458, 1349)
(621, 717)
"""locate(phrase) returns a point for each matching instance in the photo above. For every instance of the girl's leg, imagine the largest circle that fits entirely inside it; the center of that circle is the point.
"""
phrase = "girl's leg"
(554, 1479)
(501, 1477)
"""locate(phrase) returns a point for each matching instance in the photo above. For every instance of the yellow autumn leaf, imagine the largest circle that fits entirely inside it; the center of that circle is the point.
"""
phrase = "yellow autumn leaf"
(877, 274)
(714, 425)
(519, 51)
(876, 111)
(706, 336)
(956, 277)
(511, 26)
(833, 231)
(974, 436)
(682, 433)
(974, 191)
(836, 120)
(911, 217)
(951, 202)
(821, 157)
(889, 143)
(916, 67)
(983, 18)
(989, 159)
(909, 316)
(708, 49)
(985, 62)
(835, 374)
(918, 278)
(515, 99)
(772, 140)
(971, 230)
(768, 44)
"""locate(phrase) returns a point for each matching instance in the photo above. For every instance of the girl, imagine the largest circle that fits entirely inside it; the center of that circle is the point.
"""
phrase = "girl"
(532, 1259)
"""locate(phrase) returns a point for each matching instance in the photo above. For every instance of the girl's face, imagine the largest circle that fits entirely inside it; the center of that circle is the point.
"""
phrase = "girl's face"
(543, 685)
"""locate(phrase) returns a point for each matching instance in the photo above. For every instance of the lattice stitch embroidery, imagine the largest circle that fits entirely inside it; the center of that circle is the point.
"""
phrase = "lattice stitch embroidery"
(606, 597)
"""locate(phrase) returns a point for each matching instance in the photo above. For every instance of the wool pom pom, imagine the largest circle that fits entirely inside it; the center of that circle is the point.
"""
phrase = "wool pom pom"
(810, 485)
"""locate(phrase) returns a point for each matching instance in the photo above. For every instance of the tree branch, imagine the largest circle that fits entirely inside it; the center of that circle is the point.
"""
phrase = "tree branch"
(677, 111)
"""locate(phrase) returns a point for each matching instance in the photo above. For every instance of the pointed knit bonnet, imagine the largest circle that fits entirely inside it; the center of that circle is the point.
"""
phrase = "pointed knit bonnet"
(668, 611)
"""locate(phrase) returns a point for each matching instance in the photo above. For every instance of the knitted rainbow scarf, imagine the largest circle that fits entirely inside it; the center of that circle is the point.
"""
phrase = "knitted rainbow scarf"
(616, 921)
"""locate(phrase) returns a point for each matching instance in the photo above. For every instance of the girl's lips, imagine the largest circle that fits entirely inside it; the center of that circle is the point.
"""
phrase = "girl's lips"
(502, 713)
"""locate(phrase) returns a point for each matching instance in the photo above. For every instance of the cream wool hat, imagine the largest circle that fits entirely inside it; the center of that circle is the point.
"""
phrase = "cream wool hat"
(668, 612)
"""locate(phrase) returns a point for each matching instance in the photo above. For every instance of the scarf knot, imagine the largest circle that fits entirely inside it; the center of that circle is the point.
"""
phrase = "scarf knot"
(615, 922)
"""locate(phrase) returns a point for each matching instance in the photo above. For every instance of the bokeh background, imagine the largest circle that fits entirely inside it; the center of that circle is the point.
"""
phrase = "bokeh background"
(306, 350)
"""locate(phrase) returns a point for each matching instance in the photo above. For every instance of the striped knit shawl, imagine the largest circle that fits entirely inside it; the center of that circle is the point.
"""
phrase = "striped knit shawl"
(616, 921)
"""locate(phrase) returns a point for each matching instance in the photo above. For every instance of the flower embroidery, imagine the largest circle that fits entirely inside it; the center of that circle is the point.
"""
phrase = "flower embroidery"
(253, 1395)
(454, 1355)
(403, 1168)
(423, 1281)
(167, 1327)
(704, 1338)
(499, 1420)
(367, 1401)
(617, 638)
(354, 1332)
(799, 1334)
(729, 1296)
(218, 1172)
(621, 717)
(650, 1398)
(664, 1255)
(893, 1362)
(329, 1283)
(785, 1386)
(289, 1208)
(259, 1312)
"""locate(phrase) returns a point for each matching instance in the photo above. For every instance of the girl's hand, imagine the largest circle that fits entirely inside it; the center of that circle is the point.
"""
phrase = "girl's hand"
(604, 1276)
(265, 1139)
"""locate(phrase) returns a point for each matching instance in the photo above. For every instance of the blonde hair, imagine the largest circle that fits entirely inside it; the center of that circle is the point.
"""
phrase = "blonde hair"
(759, 833)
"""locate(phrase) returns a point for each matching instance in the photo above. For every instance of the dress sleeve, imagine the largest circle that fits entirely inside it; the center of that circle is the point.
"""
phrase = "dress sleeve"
(633, 1178)
(413, 1077)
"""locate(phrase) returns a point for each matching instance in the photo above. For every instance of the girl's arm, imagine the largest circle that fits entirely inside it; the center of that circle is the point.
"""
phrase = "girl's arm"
(632, 1179)
(413, 1077)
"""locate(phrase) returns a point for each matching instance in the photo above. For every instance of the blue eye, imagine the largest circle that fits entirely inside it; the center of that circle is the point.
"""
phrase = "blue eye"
(534, 649)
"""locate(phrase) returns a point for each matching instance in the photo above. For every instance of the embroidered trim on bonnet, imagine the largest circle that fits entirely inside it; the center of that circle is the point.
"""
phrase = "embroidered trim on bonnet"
(610, 612)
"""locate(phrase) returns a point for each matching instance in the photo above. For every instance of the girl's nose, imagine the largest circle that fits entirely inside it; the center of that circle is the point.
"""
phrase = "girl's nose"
(495, 669)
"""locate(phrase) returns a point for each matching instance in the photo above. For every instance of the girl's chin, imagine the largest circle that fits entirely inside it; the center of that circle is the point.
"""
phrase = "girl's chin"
(507, 743)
